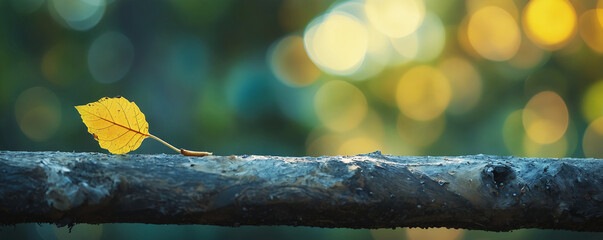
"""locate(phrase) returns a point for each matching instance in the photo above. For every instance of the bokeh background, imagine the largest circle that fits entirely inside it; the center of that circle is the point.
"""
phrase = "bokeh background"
(307, 77)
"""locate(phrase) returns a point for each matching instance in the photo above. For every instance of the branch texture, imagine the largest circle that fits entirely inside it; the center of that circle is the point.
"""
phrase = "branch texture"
(364, 191)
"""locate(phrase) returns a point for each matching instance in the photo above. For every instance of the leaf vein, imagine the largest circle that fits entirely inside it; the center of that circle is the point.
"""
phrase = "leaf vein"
(125, 115)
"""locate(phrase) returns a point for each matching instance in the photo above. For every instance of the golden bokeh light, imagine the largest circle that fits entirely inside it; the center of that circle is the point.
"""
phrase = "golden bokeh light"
(423, 93)
(493, 33)
(423, 45)
(592, 102)
(379, 51)
(591, 29)
(366, 137)
(508, 5)
(359, 145)
(290, 63)
(420, 134)
(340, 106)
(600, 11)
(432, 38)
(38, 113)
(406, 47)
(463, 38)
(434, 233)
(465, 82)
(520, 144)
(549, 23)
(337, 43)
(592, 142)
(557, 149)
(378, 55)
(565, 146)
(395, 18)
(545, 117)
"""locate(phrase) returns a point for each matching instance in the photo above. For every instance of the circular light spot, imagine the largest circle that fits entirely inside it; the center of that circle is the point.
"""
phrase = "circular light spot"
(420, 133)
(423, 93)
(545, 117)
(592, 102)
(519, 144)
(369, 68)
(340, 106)
(78, 14)
(593, 139)
(463, 38)
(76, 10)
(38, 113)
(407, 47)
(507, 5)
(395, 18)
(434, 233)
(494, 34)
(379, 50)
(549, 23)
(600, 11)
(432, 38)
(290, 63)
(110, 57)
(358, 145)
(465, 82)
(337, 44)
(557, 149)
(591, 30)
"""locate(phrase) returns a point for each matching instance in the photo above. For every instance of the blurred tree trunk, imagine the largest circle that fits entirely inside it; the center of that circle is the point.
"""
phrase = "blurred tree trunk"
(365, 191)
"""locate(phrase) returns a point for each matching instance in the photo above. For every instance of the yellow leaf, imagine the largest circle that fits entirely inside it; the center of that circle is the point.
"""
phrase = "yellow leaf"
(116, 123)
(119, 126)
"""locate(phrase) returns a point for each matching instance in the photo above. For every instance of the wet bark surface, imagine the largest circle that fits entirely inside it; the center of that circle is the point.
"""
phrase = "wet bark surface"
(365, 191)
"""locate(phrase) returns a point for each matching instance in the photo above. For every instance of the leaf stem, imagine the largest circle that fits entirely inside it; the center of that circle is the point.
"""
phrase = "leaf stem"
(164, 142)
(181, 150)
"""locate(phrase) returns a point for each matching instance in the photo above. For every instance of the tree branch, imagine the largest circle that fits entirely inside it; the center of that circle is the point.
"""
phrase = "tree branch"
(365, 191)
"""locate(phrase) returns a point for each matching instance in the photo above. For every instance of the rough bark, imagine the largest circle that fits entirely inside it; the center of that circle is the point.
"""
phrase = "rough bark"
(366, 191)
